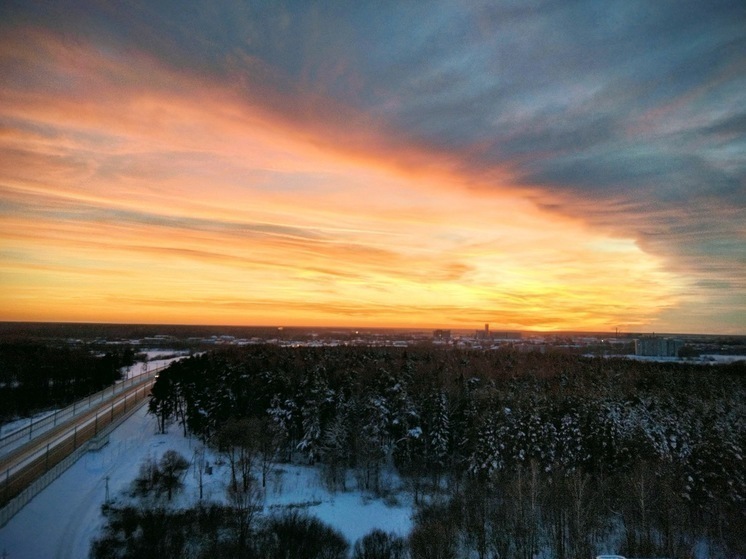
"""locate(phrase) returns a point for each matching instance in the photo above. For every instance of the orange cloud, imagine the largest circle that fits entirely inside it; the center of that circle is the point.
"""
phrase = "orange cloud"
(133, 193)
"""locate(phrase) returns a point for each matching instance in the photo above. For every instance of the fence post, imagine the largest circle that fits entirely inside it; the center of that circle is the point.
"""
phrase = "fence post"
(75, 438)
(46, 459)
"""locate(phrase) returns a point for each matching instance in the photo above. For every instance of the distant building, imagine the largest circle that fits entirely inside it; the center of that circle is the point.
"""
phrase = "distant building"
(483, 334)
(508, 335)
(656, 346)
(442, 335)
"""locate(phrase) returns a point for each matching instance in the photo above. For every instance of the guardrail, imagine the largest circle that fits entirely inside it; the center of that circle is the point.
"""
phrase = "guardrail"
(18, 482)
(27, 432)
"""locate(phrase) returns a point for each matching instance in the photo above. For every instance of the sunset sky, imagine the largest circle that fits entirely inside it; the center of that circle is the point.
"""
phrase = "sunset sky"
(541, 165)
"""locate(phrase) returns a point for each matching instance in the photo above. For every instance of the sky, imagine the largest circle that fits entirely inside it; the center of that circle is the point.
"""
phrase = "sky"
(535, 165)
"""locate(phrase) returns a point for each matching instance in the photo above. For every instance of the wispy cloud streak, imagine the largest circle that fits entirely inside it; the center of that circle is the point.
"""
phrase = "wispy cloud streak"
(552, 166)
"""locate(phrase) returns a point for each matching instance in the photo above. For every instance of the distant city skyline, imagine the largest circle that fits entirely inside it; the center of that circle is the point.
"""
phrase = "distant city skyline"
(542, 167)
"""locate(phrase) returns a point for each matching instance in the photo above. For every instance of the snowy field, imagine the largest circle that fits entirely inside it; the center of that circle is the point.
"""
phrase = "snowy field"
(156, 358)
(61, 521)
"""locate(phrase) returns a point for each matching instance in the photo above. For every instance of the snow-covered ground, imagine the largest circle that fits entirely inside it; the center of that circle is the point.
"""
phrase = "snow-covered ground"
(61, 521)
(156, 358)
(713, 359)
(721, 359)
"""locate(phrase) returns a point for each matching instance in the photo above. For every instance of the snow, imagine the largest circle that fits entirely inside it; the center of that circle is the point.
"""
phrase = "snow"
(712, 359)
(69, 508)
(352, 513)
(12, 426)
(352, 516)
(722, 359)
(156, 359)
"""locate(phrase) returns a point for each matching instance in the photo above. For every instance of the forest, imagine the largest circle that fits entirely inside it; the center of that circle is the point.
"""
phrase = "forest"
(505, 454)
(37, 376)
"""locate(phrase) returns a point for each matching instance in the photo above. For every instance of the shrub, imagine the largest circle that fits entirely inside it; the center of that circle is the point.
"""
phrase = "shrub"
(298, 535)
(380, 545)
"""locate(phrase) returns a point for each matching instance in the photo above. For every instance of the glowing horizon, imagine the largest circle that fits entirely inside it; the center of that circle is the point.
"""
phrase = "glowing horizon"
(134, 191)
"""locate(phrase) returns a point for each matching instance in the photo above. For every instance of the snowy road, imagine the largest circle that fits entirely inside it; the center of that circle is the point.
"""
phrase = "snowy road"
(69, 509)
(26, 464)
(31, 450)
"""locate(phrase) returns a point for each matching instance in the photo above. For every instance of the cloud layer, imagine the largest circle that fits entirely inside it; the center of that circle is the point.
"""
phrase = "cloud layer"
(544, 165)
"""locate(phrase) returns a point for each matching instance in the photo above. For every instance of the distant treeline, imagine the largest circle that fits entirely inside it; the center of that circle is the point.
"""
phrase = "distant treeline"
(535, 453)
(38, 376)
(50, 331)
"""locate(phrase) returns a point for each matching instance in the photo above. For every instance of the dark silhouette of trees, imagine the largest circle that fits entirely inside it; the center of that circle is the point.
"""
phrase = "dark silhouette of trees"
(298, 535)
(165, 475)
(379, 545)
(162, 403)
(38, 376)
(172, 467)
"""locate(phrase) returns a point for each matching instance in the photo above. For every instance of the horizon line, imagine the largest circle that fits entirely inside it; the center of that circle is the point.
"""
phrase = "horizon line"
(280, 327)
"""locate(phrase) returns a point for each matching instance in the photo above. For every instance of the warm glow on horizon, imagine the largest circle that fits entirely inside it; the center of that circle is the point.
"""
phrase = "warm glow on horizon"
(176, 199)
